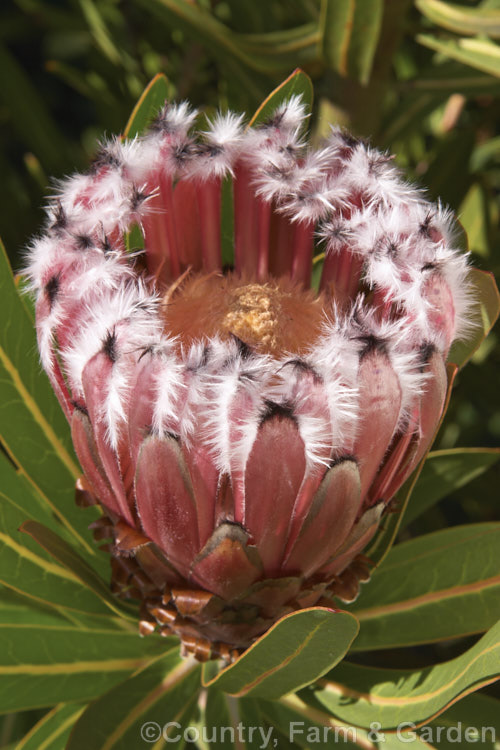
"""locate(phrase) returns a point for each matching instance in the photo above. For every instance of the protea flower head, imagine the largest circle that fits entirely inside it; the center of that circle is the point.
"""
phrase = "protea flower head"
(243, 432)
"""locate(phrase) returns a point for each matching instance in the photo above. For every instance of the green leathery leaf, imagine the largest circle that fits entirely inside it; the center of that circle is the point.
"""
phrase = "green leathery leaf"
(297, 84)
(59, 549)
(134, 239)
(441, 585)
(484, 313)
(477, 714)
(481, 54)
(45, 664)
(152, 100)
(222, 717)
(292, 653)
(28, 569)
(33, 429)
(460, 19)
(361, 695)
(389, 526)
(309, 727)
(350, 30)
(227, 222)
(52, 731)
(136, 711)
(444, 472)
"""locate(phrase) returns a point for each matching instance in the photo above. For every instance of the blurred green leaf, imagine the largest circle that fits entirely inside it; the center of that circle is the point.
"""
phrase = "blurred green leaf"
(485, 311)
(444, 472)
(296, 650)
(474, 215)
(440, 585)
(361, 695)
(43, 664)
(351, 30)
(476, 715)
(134, 712)
(460, 19)
(52, 731)
(478, 53)
(152, 100)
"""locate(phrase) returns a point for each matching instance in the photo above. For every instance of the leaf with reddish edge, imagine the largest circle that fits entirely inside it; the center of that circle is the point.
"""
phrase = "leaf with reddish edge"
(297, 84)
(65, 554)
(360, 695)
(486, 309)
(152, 99)
(389, 527)
(294, 652)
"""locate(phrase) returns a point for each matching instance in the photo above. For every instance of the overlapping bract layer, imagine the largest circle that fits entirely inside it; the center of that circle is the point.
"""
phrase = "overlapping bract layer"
(249, 474)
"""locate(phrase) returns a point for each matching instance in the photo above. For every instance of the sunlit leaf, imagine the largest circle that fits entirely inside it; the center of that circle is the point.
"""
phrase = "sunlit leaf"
(296, 650)
(297, 84)
(478, 53)
(52, 731)
(440, 585)
(460, 19)
(151, 101)
(362, 695)
(137, 711)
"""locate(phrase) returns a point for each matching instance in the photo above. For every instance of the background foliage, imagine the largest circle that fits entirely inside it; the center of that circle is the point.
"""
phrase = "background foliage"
(421, 79)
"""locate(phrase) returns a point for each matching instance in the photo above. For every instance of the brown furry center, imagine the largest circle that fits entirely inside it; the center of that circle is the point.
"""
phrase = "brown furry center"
(273, 317)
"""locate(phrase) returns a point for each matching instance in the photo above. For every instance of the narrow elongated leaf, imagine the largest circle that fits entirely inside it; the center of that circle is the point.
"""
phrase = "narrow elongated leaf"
(46, 664)
(385, 536)
(308, 727)
(151, 101)
(296, 650)
(157, 702)
(445, 471)
(351, 29)
(486, 310)
(33, 428)
(71, 561)
(233, 723)
(460, 19)
(362, 695)
(474, 719)
(52, 732)
(297, 84)
(27, 568)
(481, 54)
(440, 585)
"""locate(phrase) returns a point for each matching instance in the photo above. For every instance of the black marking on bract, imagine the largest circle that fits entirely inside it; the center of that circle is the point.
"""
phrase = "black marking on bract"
(137, 198)
(161, 123)
(342, 459)
(52, 288)
(372, 343)
(426, 227)
(105, 157)
(83, 242)
(272, 122)
(147, 350)
(351, 140)
(203, 361)
(59, 219)
(209, 149)
(426, 351)
(80, 407)
(392, 249)
(243, 349)
(272, 409)
(303, 366)
(183, 152)
(106, 245)
(109, 346)
(428, 267)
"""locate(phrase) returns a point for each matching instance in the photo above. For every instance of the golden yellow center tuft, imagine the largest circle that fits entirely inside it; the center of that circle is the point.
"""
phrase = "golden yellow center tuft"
(273, 317)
